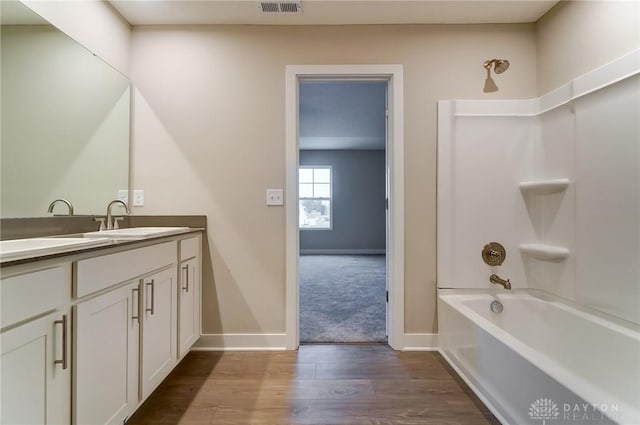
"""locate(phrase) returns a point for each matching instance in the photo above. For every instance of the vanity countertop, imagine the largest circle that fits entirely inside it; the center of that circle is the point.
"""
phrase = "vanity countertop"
(113, 245)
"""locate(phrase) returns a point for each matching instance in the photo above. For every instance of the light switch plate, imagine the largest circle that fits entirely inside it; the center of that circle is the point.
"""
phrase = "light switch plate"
(123, 195)
(138, 198)
(275, 197)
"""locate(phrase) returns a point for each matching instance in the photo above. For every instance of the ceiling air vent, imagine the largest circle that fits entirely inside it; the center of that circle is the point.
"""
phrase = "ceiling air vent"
(280, 7)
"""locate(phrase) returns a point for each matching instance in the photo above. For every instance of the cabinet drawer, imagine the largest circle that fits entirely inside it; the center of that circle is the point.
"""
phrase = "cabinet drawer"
(189, 248)
(30, 294)
(98, 273)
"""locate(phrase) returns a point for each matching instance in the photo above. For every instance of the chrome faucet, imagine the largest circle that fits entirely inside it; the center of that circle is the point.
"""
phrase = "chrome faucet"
(494, 278)
(110, 222)
(64, 201)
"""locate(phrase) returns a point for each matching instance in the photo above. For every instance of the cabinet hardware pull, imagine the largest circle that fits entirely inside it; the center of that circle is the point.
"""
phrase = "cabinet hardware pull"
(135, 316)
(63, 322)
(153, 296)
(186, 269)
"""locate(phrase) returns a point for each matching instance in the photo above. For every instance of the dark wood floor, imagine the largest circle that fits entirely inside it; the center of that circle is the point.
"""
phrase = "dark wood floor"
(319, 385)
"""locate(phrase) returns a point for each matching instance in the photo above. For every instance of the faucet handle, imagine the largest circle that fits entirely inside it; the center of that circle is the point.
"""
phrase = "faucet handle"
(101, 220)
(115, 222)
(494, 254)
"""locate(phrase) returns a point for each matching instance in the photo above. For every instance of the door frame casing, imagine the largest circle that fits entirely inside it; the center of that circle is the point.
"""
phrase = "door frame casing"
(393, 74)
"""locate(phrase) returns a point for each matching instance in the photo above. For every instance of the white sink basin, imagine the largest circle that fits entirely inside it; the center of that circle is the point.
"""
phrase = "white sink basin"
(136, 232)
(18, 249)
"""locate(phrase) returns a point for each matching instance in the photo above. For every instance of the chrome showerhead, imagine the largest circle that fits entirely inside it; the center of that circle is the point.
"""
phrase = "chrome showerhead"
(499, 66)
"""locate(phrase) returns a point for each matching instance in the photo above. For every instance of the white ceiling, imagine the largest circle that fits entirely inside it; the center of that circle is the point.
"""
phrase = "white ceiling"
(333, 12)
(342, 114)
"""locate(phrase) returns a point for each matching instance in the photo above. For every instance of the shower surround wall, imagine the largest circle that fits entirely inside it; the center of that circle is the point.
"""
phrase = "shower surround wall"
(585, 236)
(556, 180)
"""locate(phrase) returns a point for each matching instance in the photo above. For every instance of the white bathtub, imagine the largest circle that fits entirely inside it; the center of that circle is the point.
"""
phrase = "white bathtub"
(585, 365)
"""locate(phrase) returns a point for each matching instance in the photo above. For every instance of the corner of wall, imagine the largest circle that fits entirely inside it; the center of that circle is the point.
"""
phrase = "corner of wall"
(575, 37)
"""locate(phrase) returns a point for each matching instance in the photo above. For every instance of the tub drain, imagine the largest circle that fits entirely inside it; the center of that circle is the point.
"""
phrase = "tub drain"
(497, 307)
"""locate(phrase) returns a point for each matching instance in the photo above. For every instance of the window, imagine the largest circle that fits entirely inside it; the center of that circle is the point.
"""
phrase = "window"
(314, 192)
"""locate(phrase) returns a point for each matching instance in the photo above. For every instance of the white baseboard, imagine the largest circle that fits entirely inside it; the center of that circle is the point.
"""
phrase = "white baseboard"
(420, 342)
(342, 252)
(276, 342)
(240, 342)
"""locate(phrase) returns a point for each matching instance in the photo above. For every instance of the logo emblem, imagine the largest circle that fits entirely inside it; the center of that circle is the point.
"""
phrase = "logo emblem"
(544, 409)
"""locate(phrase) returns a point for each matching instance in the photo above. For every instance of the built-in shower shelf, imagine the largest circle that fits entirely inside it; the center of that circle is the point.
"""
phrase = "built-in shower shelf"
(545, 252)
(544, 187)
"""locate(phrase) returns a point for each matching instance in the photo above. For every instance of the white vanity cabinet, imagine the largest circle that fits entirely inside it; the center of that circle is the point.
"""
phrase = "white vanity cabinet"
(86, 338)
(106, 339)
(125, 319)
(159, 328)
(35, 363)
(189, 294)
(36, 384)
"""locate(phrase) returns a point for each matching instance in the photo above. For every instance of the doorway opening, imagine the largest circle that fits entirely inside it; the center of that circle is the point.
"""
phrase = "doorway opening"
(342, 194)
(318, 175)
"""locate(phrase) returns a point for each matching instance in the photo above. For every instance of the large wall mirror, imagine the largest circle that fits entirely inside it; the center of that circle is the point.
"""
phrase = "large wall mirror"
(65, 121)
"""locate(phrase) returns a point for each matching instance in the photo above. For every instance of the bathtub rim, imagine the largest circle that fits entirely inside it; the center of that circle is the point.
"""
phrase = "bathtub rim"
(629, 328)
(574, 383)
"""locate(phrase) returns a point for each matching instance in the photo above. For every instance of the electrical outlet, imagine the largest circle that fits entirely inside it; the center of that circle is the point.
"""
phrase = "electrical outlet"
(275, 197)
(138, 198)
(123, 195)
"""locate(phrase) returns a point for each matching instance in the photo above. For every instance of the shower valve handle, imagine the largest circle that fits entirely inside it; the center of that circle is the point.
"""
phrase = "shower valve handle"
(493, 254)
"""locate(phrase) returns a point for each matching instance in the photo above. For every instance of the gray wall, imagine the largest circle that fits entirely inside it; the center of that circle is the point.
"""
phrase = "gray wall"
(358, 201)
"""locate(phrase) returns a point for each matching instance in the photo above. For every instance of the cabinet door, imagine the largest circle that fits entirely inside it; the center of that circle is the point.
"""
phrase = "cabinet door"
(159, 328)
(36, 373)
(189, 305)
(106, 356)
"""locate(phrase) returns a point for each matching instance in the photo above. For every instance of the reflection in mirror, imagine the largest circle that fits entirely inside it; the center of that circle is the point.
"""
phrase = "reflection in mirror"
(65, 121)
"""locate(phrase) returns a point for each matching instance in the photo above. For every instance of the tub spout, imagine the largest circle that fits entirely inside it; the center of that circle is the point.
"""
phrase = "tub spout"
(494, 278)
